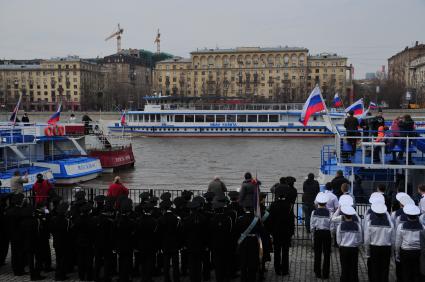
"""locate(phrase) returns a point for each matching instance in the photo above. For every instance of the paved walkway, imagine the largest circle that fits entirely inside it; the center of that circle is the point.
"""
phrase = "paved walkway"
(301, 267)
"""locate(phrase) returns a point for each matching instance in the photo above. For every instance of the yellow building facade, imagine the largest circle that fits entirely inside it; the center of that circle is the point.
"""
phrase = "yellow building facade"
(43, 85)
(284, 74)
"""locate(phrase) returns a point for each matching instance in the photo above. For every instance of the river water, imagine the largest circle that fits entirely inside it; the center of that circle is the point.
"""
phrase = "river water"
(191, 163)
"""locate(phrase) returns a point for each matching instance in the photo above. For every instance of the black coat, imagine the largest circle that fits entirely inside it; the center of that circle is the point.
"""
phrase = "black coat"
(124, 228)
(103, 228)
(220, 232)
(281, 220)
(336, 185)
(310, 188)
(169, 232)
(246, 194)
(60, 229)
(146, 233)
(195, 232)
(351, 124)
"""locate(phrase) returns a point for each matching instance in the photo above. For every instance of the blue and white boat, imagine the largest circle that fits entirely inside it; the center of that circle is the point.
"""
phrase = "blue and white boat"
(235, 120)
(64, 156)
(398, 162)
(15, 144)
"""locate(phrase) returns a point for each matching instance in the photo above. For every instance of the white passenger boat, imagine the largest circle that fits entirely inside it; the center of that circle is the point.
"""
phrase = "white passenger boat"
(237, 120)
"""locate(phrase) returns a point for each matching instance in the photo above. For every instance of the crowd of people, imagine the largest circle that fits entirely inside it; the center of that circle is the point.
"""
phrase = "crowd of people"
(229, 233)
(374, 128)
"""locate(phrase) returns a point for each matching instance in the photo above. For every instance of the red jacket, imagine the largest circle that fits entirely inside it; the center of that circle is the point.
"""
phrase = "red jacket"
(41, 190)
(117, 189)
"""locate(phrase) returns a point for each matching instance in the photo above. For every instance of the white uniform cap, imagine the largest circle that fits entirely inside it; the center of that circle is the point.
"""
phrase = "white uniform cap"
(378, 207)
(348, 210)
(376, 197)
(346, 200)
(406, 200)
(322, 198)
(399, 195)
(411, 210)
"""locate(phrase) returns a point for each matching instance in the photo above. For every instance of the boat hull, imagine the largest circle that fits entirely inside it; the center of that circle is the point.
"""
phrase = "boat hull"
(115, 158)
(223, 132)
(73, 170)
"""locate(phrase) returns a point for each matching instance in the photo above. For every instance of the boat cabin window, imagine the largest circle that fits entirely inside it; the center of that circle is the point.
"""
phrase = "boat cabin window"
(179, 118)
(252, 118)
(220, 118)
(241, 118)
(189, 118)
(199, 118)
(231, 118)
(273, 118)
(262, 118)
(158, 118)
(210, 118)
(152, 118)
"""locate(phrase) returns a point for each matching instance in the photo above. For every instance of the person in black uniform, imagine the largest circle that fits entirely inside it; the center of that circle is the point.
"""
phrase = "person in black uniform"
(100, 205)
(291, 193)
(169, 232)
(351, 125)
(376, 122)
(194, 234)
(146, 233)
(249, 227)
(265, 235)
(208, 210)
(182, 211)
(43, 244)
(103, 224)
(29, 226)
(282, 228)
(220, 232)
(84, 242)
(123, 232)
(4, 232)
(60, 227)
(13, 217)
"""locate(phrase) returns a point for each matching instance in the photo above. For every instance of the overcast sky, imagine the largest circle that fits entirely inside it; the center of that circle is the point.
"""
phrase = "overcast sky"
(365, 31)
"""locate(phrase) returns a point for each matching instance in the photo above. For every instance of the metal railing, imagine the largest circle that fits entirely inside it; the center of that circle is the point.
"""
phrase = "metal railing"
(68, 195)
(410, 146)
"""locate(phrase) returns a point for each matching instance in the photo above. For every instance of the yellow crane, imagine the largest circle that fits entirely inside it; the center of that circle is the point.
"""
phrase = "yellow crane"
(158, 42)
(117, 34)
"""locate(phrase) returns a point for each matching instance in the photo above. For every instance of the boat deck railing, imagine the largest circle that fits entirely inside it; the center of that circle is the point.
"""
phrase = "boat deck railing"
(396, 150)
(67, 194)
(235, 107)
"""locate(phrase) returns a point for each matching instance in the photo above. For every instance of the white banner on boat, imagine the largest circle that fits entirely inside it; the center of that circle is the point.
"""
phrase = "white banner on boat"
(83, 168)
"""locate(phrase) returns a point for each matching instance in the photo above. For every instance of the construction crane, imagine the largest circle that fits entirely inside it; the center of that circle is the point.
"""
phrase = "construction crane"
(117, 34)
(158, 42)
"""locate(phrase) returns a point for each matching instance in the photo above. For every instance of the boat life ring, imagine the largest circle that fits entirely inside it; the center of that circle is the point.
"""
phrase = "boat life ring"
(48, 131)
(54, 131)
(59, 130)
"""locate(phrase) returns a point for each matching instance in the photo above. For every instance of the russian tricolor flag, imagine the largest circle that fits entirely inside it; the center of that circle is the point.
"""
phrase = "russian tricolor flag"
(313, 105)
(15, 111)
(372, 106)
(123, 117)
(337, 101)
(357, 107)
(55, 117)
